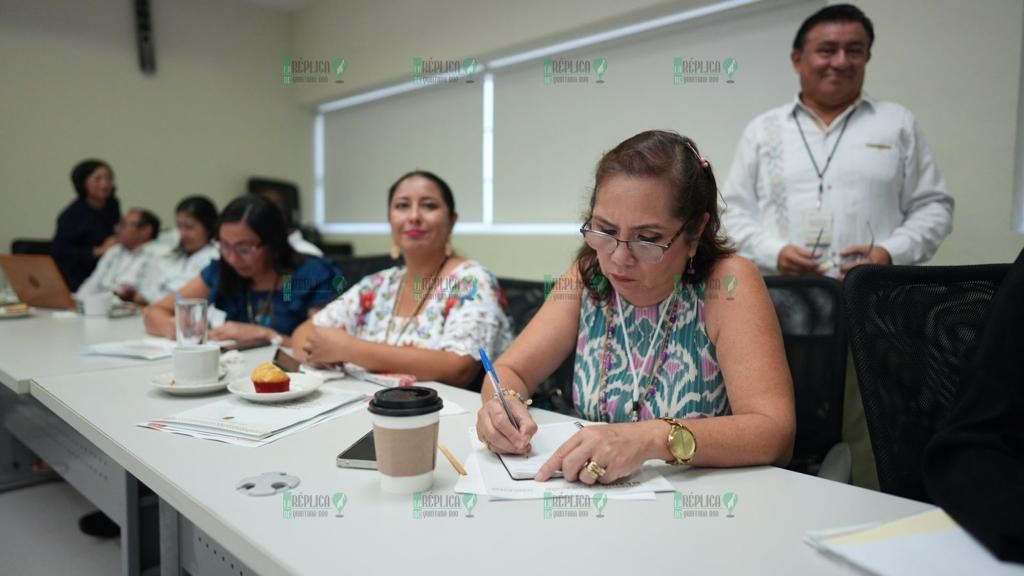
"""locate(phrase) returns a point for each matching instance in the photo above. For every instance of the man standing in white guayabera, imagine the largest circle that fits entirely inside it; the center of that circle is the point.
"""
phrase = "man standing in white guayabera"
(835, 178)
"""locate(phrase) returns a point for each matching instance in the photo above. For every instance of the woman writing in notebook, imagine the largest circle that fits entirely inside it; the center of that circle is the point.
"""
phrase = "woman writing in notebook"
(428, 318)
(677, 344)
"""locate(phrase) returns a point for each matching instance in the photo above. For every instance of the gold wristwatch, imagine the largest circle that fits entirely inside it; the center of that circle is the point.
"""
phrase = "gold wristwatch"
(681, 442)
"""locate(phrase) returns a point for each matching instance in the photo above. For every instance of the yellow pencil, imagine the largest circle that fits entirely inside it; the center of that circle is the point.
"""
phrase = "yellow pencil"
(451, 458)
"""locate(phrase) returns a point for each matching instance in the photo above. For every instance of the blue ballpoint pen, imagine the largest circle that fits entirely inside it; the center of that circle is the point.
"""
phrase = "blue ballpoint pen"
(497, 387)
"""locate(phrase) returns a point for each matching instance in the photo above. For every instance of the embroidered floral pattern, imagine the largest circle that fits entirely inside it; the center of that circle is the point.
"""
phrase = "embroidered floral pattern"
(462, 314)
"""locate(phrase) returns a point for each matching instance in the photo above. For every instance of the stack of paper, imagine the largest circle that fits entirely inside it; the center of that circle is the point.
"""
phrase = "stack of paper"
(238, 421)
(930, 543)
(493, 476)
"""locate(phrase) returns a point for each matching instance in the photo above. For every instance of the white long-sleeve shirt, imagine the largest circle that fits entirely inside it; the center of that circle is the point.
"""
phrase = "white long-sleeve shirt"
(882, 182)
(174, 269)
(121, 267)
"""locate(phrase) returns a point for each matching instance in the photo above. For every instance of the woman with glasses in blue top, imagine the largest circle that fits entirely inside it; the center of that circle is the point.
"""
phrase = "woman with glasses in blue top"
(677, 344)
(265, 288)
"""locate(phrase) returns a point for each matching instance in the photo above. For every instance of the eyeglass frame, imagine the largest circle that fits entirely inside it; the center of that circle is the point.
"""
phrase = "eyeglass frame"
(225, 248)
(630, 243)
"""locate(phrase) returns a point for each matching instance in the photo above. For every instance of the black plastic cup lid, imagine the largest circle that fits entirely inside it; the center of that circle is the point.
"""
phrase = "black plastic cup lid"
(411, 401)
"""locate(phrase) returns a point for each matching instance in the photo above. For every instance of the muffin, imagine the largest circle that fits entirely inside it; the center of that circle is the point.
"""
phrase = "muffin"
(267, 379)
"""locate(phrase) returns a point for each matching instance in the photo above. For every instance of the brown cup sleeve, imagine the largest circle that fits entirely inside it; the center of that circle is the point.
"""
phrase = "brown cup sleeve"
(406, 452)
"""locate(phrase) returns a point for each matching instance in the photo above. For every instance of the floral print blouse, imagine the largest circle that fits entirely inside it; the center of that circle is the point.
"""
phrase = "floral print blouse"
(464, 311)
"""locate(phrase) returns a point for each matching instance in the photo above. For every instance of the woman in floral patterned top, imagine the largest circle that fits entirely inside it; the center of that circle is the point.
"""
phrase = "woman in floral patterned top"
(429, 318)
(677, 344)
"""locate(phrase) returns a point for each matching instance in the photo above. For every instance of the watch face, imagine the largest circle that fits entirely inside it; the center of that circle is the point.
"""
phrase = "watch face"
(683, 444)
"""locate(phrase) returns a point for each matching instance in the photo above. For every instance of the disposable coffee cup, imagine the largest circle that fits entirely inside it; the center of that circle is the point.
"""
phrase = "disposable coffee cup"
(196, 365)
(405, 424)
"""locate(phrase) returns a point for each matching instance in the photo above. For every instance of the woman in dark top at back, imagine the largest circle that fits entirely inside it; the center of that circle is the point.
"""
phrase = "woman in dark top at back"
(85, 229)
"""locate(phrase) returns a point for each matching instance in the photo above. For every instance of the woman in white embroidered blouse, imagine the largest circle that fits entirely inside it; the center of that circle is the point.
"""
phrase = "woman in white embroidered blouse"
(196, 220)
(428, 318)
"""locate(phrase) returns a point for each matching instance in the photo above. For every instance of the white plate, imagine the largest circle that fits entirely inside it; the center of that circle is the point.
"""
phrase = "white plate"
(165, 382)
(301, 385)
(24, 314)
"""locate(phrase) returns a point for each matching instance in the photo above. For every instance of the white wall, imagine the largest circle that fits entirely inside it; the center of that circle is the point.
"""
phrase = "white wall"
(215, 113)
(954, 64)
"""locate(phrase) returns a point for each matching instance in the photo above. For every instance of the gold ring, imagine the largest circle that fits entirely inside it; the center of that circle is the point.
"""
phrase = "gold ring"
(595, 469)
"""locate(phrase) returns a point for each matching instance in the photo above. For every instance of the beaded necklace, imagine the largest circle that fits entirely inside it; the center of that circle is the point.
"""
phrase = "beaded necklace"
(662, 355)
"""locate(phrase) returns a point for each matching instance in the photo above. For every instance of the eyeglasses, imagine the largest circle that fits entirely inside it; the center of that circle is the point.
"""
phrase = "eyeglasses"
(240, 250)
(642, 250)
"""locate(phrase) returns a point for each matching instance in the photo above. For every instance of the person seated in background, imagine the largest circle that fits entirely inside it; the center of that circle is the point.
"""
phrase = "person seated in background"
(298, 243)
(125, 265)
(196, 220)
(428, 318)
(265, 287)
(85, 228)
(677, 343)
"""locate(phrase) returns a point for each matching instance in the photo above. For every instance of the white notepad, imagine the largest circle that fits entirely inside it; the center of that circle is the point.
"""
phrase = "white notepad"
(545, 442)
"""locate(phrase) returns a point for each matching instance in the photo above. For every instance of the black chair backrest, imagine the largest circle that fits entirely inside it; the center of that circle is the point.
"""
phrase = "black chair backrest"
(333, 249)
(814, 333)
(31, 246)
(525, 297)
(355, 268)
(912, 328)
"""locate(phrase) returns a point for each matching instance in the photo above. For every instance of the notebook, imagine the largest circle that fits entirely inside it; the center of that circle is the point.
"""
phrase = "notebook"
(545, 443)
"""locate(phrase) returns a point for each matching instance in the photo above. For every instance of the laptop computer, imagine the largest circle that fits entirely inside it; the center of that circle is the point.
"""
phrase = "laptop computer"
(37, 281)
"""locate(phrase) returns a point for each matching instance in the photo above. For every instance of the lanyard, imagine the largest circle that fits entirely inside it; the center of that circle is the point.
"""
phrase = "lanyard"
(828, 161)
(629, 350)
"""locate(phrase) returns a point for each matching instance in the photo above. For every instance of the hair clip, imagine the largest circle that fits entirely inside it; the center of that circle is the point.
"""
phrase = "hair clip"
(703, 161)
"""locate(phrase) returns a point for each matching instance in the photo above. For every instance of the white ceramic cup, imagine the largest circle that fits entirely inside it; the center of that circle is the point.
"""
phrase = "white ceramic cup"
(196, 365)
(97, 304)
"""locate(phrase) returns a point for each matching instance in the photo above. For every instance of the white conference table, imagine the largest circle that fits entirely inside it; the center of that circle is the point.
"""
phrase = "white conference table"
(46, 344)
(223, 529)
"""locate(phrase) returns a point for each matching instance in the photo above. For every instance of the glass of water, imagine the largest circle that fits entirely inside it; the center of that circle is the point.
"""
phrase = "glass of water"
(190, 320)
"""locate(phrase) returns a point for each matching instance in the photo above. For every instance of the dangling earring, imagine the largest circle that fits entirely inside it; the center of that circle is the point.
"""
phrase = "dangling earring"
(396, 252)
(448, 250)
(690, 270)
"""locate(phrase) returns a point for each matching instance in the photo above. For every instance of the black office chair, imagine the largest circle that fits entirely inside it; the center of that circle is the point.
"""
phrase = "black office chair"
(912, 329)
(31, 246)
(814, 334)
(335, 249)
(525, 298)
(355, 268)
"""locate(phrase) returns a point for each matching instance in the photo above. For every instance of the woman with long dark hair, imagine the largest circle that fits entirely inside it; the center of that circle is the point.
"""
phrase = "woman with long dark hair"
(85, 228)
(429, 317)
(265, 288)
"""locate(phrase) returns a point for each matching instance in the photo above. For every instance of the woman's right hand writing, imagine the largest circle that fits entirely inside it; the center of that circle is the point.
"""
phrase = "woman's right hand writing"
(497, 433)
